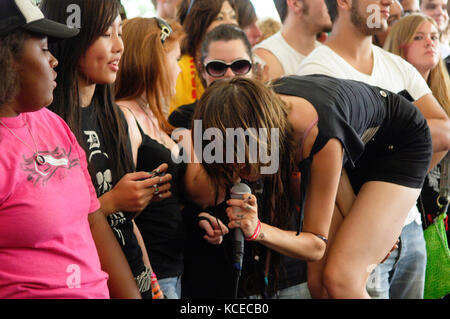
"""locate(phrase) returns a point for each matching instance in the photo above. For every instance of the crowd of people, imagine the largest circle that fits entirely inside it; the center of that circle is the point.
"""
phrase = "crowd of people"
(116, 166)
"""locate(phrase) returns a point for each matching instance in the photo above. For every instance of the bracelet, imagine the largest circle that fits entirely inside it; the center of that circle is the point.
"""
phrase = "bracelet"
(256, 233)
(156, 290)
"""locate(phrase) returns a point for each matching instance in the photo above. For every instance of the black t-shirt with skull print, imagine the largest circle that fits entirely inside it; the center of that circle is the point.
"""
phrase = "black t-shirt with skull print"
(101, 174)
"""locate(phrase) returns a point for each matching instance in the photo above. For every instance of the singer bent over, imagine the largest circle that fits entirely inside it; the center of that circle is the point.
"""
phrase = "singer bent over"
(322, 124)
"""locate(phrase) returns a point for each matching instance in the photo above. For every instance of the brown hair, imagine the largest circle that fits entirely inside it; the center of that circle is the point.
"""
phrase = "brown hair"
(245, 11)
(249, 104)
(11, 47)
(402, 33)
(197, 20)
(143, 65)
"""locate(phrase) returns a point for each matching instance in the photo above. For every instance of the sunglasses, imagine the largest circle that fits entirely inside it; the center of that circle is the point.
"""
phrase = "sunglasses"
(166, 30)
(217, 68)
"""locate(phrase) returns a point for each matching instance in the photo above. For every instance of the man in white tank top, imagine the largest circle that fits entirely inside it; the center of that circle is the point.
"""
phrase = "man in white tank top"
(302, 21)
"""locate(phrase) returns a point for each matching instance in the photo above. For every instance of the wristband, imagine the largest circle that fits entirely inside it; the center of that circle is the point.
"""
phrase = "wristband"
(256, 233)
(156, 290)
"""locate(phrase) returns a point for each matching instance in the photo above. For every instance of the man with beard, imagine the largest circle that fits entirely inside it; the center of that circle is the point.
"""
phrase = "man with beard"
(349, 54)
(302, 21)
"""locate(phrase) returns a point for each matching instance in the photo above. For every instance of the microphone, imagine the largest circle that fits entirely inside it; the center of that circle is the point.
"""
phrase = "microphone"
(237, 240)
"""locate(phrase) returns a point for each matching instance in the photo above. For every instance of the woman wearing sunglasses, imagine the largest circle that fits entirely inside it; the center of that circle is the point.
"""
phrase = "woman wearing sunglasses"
(225, 53)
(198, 17)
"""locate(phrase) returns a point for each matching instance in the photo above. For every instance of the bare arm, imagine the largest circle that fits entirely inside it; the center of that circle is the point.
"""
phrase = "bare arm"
(141, 244)
(121, 282)
(273, 65)
(325, 173)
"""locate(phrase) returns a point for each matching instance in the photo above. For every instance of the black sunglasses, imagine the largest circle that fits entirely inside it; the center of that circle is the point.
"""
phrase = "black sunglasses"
(166, 30)
(218, 68)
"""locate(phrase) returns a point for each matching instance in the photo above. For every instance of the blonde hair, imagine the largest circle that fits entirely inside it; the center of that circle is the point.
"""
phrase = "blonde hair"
(268, 27)
(143, 65)
(401, 34)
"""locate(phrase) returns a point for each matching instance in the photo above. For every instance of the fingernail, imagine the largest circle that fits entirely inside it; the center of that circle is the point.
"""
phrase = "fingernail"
(160, 195)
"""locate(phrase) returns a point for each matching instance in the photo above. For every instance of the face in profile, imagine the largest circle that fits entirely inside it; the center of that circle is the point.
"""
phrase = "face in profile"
(100, 63)
(315, 12)
(222, 53)
(370, 16)
(37, 75)
(173, 68)
(394, 15)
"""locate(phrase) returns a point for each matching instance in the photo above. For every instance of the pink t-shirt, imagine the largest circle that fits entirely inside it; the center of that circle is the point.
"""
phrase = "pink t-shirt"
(46, 246)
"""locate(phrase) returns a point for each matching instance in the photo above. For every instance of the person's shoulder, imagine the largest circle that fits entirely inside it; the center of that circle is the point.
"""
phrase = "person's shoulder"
(182, 115)
(321, 60)
(319, 51)
(46, 117)
(266, 43)
(390, 57)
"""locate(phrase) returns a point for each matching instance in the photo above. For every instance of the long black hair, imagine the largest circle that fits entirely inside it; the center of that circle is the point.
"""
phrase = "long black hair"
(96, 17)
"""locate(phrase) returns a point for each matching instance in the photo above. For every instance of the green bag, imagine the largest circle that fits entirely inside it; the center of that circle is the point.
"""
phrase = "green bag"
(437, 276)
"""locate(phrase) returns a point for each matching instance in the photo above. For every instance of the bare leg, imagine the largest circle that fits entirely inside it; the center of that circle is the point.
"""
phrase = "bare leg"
(315, 269)
(365, 236)
(344, 200)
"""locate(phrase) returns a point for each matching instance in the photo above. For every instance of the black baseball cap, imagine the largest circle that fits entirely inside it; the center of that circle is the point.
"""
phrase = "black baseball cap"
(15, 14)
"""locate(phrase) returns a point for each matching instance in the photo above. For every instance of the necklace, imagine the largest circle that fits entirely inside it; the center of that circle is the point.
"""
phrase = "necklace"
(38, 158)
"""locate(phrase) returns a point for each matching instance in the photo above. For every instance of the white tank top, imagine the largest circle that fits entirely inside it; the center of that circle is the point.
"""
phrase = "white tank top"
(288, 57)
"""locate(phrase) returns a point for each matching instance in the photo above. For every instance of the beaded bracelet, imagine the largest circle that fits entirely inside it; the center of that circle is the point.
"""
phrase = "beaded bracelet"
(256, 233)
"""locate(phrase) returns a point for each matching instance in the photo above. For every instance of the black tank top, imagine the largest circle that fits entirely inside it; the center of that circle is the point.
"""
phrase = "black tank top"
(160, 223)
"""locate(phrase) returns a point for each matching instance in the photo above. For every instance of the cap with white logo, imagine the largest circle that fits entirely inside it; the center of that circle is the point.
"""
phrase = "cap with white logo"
(24, 14)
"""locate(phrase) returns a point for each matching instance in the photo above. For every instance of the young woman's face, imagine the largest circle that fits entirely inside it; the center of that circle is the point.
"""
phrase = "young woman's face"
(37, 75)
(173, 56)
(423, 51)
(225, 16)
(100, 63)
(227, 52)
